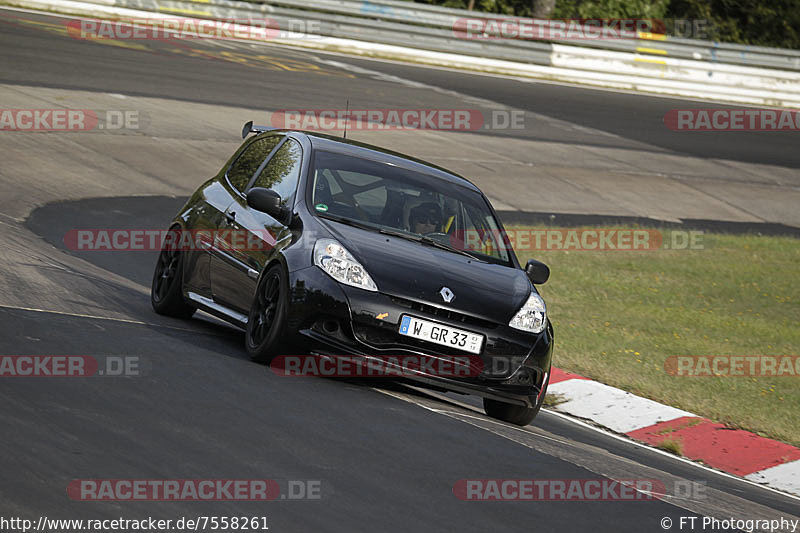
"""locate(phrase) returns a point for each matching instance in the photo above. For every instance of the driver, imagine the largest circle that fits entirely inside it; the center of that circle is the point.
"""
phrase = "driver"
(425, 218)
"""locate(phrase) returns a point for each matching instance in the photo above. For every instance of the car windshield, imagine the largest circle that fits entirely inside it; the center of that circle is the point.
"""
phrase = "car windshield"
(386, 197)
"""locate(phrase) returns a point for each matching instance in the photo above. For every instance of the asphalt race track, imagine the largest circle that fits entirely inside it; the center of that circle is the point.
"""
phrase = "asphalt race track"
(386, 456)
(114, 69)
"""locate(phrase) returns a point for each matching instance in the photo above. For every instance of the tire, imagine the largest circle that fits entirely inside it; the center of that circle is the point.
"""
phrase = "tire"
(266, 323)
(166, 290)
(515, 414)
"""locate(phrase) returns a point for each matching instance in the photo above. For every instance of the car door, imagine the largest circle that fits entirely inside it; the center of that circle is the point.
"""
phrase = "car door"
(205, 218)
(250, 237)
(232, 187)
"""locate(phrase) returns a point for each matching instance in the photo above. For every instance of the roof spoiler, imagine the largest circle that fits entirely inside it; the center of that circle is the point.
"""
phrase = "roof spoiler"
(249, 128)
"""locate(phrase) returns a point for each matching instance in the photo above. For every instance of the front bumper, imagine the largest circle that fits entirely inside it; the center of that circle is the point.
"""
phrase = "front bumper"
(332, 319)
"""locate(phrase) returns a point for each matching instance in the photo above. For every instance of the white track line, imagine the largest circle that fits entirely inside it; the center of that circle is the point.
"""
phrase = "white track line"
(577, 422)
(97, 317)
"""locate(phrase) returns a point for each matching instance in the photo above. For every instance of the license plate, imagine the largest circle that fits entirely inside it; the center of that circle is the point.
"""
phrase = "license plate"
(441, 334)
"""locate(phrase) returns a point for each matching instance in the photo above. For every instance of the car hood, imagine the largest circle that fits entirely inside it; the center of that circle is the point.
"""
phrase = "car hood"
(418, 272)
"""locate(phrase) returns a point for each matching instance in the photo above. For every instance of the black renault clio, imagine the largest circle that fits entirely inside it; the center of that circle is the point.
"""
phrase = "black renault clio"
(319, 245)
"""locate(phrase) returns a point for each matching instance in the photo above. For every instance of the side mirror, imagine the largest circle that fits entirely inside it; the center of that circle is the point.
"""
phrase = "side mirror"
(537, 272)
(247, 129)
(265, 200)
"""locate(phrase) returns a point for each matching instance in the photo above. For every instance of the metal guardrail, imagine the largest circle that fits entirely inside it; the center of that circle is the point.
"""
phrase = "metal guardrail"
(429, 27)
(411, 14)
(330, 23)
(395, 29)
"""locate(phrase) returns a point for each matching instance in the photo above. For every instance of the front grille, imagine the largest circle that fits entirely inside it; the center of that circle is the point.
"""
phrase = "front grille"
(453, 316)
(393, 344)
(383, 337)
(388, 338)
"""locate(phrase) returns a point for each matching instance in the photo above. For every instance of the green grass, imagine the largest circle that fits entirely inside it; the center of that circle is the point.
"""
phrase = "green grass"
(619, 315)
(553, 399)
(672, 446)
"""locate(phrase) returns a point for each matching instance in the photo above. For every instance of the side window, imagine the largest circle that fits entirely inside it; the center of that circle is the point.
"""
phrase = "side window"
(373, 201)
(482, 235)
(327, 176)
(249, 160)
(282, 171)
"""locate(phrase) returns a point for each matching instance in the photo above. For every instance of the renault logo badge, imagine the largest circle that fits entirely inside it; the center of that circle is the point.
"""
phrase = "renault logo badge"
(447, 295)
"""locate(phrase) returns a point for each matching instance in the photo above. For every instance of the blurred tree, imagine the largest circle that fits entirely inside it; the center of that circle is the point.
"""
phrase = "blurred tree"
(611, 9)
(757, 22)
(543, 9)
(773, 23)
(282, 171)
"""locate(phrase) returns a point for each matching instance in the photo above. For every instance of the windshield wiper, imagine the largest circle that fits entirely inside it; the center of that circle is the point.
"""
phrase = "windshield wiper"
(350, 222)
(429, 241)
(442, 246)
(407, 236)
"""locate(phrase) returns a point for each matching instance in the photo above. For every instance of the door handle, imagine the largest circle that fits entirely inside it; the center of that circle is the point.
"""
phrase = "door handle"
(231, 216)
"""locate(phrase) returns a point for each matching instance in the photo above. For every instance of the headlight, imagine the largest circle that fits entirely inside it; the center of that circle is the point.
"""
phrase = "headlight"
(334, 259)
(532, 316)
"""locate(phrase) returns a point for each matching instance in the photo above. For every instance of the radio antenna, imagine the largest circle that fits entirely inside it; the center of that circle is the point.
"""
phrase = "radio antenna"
(346, 118)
